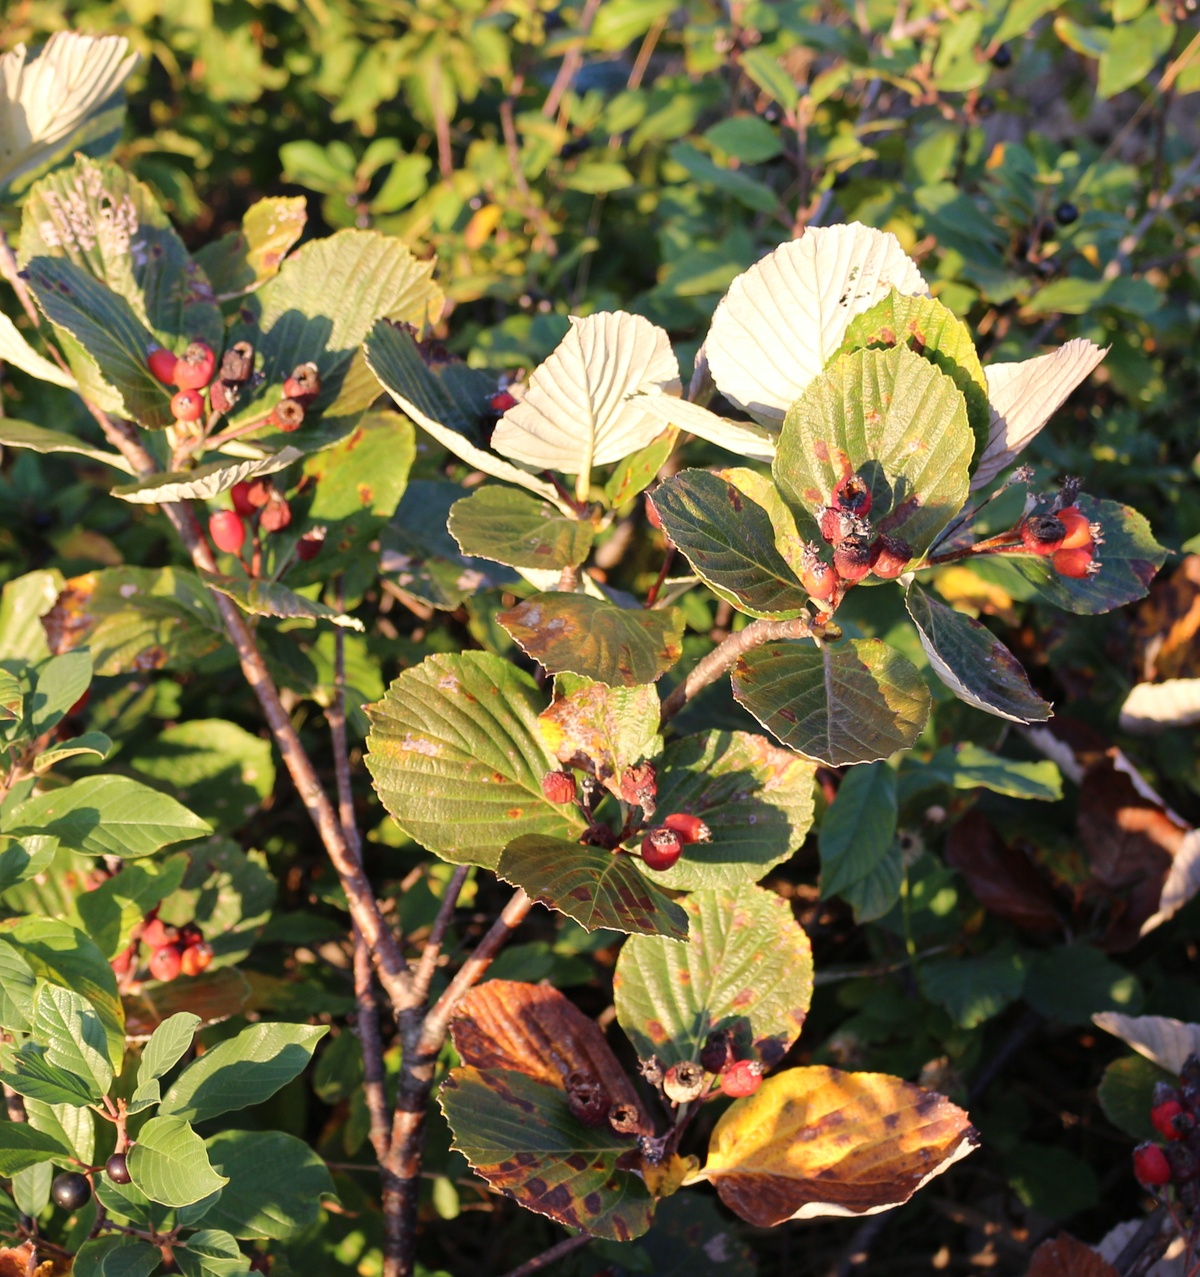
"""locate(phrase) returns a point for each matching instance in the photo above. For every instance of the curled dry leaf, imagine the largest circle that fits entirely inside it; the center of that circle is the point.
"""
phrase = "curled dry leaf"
(1159, 1038)
(817, 1141)
(1067, 1256)
(1167, 624)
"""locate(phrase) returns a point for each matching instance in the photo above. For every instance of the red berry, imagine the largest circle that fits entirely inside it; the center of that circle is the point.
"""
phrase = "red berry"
(276, 515)
(889, 556)
(161, 363)
(742, 1078)
(653, 518)
(501, 402)
(309, 545)
(227, 531)
(196, 959)
(853, 494)
(240, 493)
(258, 493)
(1150, 1165)
(1078, 531)
(304, 383)
(187, 405)
(190, 934)
(165, 963)
(830, 520)
(1077, 563)
(817, 577)
(852, 559)
(1042, 533)
(639, 784)
(689, 828)
(222, 395)
(157, 933)
(661, 848)
(194, 368)
(1161, 1116)
(559, 787)
(287, 415)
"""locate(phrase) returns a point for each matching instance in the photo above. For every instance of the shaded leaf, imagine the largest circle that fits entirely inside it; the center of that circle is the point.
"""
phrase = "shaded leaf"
(95, 743)
(972, 990)
(31, 1073)
(1066, 1256)
(204, 482)
(21, 1147)
(269, 598)
(1126, 1094)
(602, 730)
(582, 635)
(854, 703)
(817, 1141)
(747, 967)
(1071, 983)
(1002, 878)
(858, 829)
(517, 529)
(216, 995)
(116, 1257)
(969, 767)
(595, 886)
(170, 1164)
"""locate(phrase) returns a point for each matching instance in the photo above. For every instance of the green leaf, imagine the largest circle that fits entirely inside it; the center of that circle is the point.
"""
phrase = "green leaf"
(22, 859)
(637, 471)
(112, 910)
(116, 1257)
(203, 482)
(167, 1046)
(1071, 983)
(596, 177)
(214, 996)
(517, 529)
(94, 743)
(60, 683)
(730, 541)
(23, 603)
(857, 702)
(136, 619)
(241, 1071)
(456, 758)
(12, 696)
(21, 1147)
(73, 1124)
(23, 434)
(520, 1136)
(170, 1165)
(1129, 558)
(747, 137)
(858, 829)
(756, 799)
(602, 730)
(1126, 1094)
(231, 892)
(30, 1073)
(1132, 53)
(595, 886)
(276, 1183)
(268, 598)
(876, 894)
(972, 662)
(211, 1253)
(251, 255)
(18, 984)
(108, 816)
(927, 327)
(764, 68)
(752, 194)
(582, 635)
(747, 966)
(31, 1188)
(895, 420)
(74, 1038)
(971, 767)
(973, 990)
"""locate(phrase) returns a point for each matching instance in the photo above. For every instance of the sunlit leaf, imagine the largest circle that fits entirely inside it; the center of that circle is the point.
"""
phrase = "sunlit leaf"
(603, 729)
(517, 529)
(744, 438)
(204, 482)
(269, 598)
(15, 350)
(1159, 1038)
(170, 1165)
(254, 253)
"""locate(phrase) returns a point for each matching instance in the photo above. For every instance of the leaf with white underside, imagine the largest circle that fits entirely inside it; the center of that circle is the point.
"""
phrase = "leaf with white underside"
(450, 415)
(745, 438)
(204, 482)
(1025, 395)
(58, 100)
(269, 598)
(783, 319)
(1159, 1038)
(972, 662)
(577, 412)
(23, 434)
(15, 350)
(1157, 707)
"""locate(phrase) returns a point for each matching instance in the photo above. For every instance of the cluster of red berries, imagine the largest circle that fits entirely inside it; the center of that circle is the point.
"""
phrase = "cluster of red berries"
(1066, 538)
(720, 1059)
(1175, 1114)
(664, 844)
(176, 950)
(261, 505)
(856, 552)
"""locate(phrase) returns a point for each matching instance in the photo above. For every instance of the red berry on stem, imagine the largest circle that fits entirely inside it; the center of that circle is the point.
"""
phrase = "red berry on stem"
(639, 784)
(852, 559)
(187, 405)
(165, 963)
(1042, 533)
(889, 556)
(1077, 563)
(558, 787)
(196, 959)
(258, 493)
(161, 363)
(1077, 531)
(227, 530)
(501, 402)
(1161, 1116)
(689, 828)
(1150, 1165)
(190, 934)
(817, 577)
(661, 848)
(157, 933)
(309, 545)
(241, 500)
(742, 1078)
(287, 415)
(194, 368)
(304, 383)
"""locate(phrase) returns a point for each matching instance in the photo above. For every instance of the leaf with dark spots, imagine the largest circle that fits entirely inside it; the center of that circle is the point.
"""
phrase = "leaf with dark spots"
(596, 887)
(573, 633)
(518, 1133)
(603, 730)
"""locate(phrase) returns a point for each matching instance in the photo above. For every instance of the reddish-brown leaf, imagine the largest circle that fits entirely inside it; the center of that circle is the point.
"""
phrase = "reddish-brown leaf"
(1168, 624)
(1002, 878)
(1066, 1256)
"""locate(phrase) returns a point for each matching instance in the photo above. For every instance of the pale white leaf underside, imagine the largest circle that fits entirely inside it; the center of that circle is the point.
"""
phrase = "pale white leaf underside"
(743, 438)
(15, 350)
(1159, 1038)
(1157, 707)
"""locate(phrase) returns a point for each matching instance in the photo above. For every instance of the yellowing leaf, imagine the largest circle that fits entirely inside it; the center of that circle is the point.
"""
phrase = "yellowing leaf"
(817, 1141)
(669, 1176)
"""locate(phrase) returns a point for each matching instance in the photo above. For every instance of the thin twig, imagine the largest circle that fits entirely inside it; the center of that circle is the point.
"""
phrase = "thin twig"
(437, 933)
(1129, 243)
(568, 1246)
(570, 63)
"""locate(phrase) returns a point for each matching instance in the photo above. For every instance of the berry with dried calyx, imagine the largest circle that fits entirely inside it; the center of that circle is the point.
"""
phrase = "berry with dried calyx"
(587, 1099)
(719, 1051)
(689, 828)
(276, 514)
(304, 383)
(559, 787)
(196, 958)
(817, 577)
(237, 363)
(852, 558)
(71, 1190)
(1184, 1164)
(1150, 1165)
(889, 556)
(194, 368)
(501, 402)
(832, 524)
(157, 933)
(187, 405)
(165, 963)
(1042, 533)
(1077, 564)
(742, 1078)
(661, 848)
(161, 363)
(625, 1119)
(309, 545)
(853, 495)
(287, 415)
(683, 1082)
(117, 1169)
(227, 530)
(1078, 532)
(222, 395)
(639, 785)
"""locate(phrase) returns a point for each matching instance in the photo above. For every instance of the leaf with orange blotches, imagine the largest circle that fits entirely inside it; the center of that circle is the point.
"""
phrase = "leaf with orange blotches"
(602, 730)
(817, 1141)
(1066, 1256)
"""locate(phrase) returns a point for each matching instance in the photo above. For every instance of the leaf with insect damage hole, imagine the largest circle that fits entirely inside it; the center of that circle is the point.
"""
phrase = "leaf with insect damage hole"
(456, 758)
(595, 886)
(747, 967)
(855, 702)
(581, 635)
(816, 1141)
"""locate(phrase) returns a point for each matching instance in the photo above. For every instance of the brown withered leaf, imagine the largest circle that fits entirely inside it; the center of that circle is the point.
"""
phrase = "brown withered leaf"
(1066, 1256)
(1001, 877)
(816, 1141)
(1167, 625)
(533, 1029)
(15, 1260)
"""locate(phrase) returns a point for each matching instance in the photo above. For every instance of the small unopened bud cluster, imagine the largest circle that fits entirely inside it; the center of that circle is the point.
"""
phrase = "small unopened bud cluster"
(857, 551)
(1175, 1115)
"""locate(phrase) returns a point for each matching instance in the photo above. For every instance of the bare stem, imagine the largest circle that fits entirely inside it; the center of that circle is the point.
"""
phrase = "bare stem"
(568, 1246)
(437, 933)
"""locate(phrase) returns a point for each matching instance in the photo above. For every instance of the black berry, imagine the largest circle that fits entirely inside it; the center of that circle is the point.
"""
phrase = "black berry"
(71, 1190)
(1066, 213)
(1002, 57)
(984, 106)
(117, 1169)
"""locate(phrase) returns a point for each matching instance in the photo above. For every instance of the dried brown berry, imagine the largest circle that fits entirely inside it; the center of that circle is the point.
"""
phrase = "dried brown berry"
(1042, 533)
(625, 1119)
(639, 785)
(852, 558)
(719, 1051)
(237, 363)
(287, 415)
(559, 787)
(587, 1099)
(304, 383)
